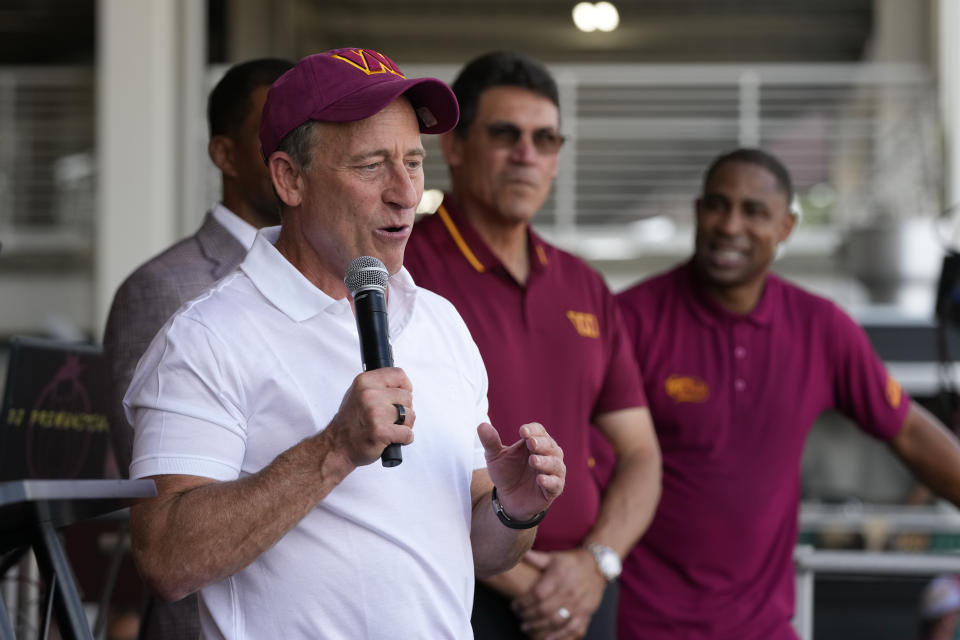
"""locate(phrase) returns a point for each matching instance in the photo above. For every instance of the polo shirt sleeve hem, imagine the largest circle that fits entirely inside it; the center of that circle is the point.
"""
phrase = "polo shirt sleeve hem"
(903, 411)
(147, 466)
(865, 390)
(634, 403)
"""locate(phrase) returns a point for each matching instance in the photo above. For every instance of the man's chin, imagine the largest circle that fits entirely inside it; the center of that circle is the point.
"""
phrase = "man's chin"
(520, 211)
(720, 276)
(719, 279)
(392, 260)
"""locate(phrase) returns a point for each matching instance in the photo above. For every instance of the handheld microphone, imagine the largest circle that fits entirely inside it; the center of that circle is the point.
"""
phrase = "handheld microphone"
(366, 279)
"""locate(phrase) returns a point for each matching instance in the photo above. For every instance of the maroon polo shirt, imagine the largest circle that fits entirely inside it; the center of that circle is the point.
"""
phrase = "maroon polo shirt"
(554, 348)
(733, 398)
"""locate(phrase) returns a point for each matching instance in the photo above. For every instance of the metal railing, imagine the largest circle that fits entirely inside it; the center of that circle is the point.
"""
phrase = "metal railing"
(47, 158)
(890, 519)
(876, 523)
(809, 562)
(858, 138)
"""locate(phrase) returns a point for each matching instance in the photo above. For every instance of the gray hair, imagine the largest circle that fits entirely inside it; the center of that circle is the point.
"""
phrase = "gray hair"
(298, 144)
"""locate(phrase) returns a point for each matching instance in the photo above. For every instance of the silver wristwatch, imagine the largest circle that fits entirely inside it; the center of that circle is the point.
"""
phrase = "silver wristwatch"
(608, 562)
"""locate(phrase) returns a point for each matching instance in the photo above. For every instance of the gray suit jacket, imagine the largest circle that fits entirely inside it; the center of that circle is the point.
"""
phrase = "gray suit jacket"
(142, 304)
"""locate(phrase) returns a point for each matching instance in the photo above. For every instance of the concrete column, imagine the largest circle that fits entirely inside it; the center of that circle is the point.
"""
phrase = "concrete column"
(150, 53)
(905, 159)
(193, 161)
(947, 24)
(899, 31)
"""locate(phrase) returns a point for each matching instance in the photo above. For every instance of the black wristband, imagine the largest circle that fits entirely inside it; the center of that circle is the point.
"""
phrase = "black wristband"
(510, 522)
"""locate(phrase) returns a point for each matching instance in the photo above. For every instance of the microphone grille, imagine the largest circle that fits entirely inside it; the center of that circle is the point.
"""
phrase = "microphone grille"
(365, 272)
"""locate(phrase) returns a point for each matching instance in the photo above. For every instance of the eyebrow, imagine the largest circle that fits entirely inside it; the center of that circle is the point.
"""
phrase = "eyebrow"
(384, 153)
(510, 123)
(720, 196)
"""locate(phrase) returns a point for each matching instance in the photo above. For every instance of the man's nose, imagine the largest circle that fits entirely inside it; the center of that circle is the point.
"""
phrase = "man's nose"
(732, 221)
(523, 150)
(402, 190)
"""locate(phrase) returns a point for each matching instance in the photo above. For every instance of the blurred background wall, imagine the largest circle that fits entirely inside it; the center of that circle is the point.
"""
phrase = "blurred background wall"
(103, 143)
(103, 148)
(103, 159)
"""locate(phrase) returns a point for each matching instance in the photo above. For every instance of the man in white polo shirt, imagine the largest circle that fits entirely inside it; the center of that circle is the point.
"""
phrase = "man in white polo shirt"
(253, 416)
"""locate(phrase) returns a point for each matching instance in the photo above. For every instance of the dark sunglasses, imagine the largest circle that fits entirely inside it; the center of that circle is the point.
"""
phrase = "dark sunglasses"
(546, 141)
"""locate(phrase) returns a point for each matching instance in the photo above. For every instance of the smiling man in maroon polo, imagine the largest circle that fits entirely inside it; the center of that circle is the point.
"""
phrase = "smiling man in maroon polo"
(553, 343)
(737, 365)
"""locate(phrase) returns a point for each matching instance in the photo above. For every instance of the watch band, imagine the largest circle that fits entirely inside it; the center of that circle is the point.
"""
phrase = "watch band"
(510, 522)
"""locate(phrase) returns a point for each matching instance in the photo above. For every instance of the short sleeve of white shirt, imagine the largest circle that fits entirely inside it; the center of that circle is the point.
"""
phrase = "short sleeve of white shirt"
(187, 408)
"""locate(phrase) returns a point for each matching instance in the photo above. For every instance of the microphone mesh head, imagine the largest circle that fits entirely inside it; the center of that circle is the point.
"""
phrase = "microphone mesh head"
(364, 273)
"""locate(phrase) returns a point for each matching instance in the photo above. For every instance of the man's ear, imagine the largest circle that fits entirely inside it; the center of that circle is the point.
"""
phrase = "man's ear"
(221, 150)
(452, 146)
(789, 222)
(286, 177)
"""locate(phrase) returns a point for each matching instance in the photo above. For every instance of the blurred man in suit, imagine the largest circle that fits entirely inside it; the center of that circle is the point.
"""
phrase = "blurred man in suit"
(150, 295)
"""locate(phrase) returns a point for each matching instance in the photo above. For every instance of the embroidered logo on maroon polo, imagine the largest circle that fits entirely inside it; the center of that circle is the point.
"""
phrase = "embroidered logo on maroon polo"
(687, 389)
(585, 323)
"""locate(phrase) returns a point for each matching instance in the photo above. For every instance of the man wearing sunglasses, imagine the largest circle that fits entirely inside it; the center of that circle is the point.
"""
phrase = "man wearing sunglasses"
(553, 343)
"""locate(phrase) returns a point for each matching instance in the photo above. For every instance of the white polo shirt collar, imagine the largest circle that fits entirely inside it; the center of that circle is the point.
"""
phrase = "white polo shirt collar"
(292, 293)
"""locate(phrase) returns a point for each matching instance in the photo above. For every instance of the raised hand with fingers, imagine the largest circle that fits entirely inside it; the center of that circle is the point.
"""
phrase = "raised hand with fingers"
(528, 475)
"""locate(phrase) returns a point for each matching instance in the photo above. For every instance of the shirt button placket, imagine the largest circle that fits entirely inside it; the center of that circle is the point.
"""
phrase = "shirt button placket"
(739, 358)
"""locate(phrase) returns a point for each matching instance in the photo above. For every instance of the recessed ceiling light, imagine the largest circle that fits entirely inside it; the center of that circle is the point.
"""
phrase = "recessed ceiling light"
(583, 16)
(606, 16)
(589, 16)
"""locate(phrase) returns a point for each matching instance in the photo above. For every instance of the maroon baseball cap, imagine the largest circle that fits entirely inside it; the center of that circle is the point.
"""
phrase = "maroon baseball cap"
(345, 85)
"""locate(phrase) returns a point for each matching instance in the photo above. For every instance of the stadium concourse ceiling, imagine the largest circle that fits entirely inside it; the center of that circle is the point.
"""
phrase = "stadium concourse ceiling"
(650, 31)
(422, 31)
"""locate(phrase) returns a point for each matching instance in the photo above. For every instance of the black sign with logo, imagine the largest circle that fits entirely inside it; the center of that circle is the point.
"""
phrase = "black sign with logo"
(53, 418)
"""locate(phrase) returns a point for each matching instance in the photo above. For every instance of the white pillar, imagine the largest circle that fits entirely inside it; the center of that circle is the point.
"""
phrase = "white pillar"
(948, 61)
(804, 583)
(565, 222)
(193, 161)
(148, 56)
(899, 31)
